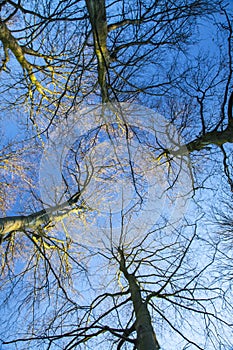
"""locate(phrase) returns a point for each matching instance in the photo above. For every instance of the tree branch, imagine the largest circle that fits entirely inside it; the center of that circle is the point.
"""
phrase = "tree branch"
(43, 217)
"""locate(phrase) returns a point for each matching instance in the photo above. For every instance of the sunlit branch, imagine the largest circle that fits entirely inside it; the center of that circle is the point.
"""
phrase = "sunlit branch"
(45, 217)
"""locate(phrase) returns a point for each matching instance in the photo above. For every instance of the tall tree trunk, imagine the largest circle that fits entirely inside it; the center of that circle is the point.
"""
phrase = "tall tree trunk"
(97, 13)
(146, 338)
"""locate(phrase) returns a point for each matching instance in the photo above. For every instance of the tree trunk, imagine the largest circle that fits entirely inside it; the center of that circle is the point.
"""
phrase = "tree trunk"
(146, 338)
(42, 218)
(97, 13)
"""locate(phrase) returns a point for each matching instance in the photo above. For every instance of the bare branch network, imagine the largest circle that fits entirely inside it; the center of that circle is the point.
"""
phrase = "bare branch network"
(116, 174)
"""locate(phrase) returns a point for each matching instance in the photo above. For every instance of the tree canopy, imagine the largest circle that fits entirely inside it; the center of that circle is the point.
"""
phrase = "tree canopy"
(116, 174)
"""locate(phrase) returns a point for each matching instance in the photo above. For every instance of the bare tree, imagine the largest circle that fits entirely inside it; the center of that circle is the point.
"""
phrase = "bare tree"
(77, 270)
